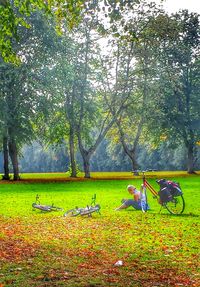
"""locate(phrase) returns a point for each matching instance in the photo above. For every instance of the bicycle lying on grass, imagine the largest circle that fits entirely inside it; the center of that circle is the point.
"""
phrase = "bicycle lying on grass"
(88, 210)
(42, 207)
(170, 195)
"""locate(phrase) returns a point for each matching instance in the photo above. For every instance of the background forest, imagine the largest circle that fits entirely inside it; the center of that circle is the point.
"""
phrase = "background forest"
(114, 89)
(37, 158)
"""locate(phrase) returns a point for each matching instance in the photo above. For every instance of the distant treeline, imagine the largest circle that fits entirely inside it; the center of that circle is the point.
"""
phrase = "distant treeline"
(37, 158)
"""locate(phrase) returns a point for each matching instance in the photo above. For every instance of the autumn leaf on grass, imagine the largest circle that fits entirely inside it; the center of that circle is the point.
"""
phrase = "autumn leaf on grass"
(111, 271)
(164, 247)
(112, 280)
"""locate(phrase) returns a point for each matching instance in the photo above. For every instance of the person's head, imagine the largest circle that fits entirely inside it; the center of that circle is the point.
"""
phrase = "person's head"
(131, 189)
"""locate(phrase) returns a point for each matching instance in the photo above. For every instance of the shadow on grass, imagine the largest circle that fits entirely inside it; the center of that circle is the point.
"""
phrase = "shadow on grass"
(153, 212)
(180, 215)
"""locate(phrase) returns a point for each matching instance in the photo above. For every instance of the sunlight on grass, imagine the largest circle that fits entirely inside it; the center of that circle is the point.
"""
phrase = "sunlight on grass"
(105, 175)
(47, 249)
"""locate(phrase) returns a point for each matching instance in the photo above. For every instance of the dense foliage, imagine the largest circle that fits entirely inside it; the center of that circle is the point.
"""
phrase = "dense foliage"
(116, 89)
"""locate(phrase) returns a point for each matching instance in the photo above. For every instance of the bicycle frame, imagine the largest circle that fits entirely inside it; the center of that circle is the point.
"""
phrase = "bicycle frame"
(43, 207)
(93, 202)
(88, 210)
(147, 185)
(175, 205)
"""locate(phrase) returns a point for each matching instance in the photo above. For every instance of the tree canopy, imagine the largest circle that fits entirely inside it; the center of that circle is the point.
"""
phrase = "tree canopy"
(113, 78)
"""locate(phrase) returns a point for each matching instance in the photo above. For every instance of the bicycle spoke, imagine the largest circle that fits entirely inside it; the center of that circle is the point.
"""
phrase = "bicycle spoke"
(176, 205)
(72, 212)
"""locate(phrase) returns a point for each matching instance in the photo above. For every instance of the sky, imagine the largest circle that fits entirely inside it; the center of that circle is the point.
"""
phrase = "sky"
(175, 5)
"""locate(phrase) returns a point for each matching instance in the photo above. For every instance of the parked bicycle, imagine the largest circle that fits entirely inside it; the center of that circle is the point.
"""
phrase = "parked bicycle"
(88, 210)
(170, 195)
(43, 207)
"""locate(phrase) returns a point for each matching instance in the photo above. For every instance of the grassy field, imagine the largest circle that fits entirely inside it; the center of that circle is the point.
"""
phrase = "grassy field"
(46, 249)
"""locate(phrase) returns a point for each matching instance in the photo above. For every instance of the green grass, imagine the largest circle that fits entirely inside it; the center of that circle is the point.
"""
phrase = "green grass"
(46, 249)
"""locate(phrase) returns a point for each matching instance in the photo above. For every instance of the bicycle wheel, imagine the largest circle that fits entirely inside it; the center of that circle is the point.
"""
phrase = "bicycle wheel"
(89, 210)
(176, 205)
(41, 207)
(72, 212)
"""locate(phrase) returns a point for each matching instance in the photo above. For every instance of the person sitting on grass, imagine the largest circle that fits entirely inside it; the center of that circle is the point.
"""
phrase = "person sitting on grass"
(138, 197)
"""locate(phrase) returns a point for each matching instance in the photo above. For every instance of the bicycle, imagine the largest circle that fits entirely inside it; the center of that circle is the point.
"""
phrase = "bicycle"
(88, 210)
(42, 207)
(170, 195)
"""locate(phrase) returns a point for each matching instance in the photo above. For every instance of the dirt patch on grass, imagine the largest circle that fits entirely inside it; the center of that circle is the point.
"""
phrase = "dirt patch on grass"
(51, 178)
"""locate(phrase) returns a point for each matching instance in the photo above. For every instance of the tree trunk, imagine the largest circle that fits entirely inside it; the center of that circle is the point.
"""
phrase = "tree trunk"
(86, 165)
(133, 161)
(131, 153)
(6, 160)
(14, 158)
(72, 153)
(190, 162)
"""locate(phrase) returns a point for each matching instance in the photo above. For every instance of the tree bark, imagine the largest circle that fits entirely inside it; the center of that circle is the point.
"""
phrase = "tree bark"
(86, 165)
(134, 162)
(190, 162)
(14, 158)
(6, 158)
(86, 154)
(72, 153)
(130, 152)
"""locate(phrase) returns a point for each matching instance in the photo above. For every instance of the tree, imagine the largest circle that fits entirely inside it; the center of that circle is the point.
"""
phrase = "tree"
(62, 75)
(89, 130)
(14, 14)
(119, 87)
(4, 136)
(19, 93)
(179, 79)
(16, 125)
(134, 71)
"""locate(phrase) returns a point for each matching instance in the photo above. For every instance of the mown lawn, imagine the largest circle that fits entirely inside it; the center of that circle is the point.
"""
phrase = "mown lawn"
(46, 249)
